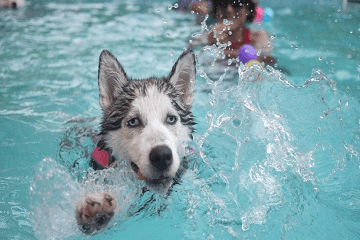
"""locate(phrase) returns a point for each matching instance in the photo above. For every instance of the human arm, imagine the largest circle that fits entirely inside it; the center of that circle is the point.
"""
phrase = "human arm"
(200, 7)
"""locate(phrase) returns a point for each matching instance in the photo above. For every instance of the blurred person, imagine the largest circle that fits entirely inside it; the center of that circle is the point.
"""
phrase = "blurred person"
(12, 3)
(233, 17)
(202, 7)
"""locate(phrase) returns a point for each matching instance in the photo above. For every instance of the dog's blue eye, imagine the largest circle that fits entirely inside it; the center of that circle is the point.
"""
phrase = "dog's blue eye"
(133, 122)
(171, 119)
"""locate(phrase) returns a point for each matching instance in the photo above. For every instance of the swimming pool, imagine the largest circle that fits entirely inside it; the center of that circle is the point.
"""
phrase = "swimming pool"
(278, 159)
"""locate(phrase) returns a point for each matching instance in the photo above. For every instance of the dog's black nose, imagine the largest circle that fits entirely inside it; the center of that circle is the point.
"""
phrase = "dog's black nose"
(161, 157)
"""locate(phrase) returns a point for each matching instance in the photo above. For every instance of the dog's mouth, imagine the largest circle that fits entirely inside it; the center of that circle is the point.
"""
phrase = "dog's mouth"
(136, 169)
(159, 182)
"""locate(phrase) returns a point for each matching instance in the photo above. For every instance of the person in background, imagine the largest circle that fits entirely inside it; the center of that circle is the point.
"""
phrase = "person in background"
(233, 16)
(12, 3)
(202, 7)
(198, 7)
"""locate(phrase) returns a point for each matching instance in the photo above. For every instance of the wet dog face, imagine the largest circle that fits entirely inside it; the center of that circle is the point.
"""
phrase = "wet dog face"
(146, 121)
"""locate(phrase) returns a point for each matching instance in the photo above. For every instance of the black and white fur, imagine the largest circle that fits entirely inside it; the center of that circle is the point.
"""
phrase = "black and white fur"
(145, 122)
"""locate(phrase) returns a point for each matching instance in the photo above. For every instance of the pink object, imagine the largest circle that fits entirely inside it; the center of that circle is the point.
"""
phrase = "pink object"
(259, 14)
(101, 157)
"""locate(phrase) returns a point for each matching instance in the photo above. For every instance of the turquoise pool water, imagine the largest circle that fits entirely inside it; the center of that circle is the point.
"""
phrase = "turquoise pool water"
(278, 158)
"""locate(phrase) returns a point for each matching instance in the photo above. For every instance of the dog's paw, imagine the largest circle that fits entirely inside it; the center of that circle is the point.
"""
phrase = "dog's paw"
(95, 212)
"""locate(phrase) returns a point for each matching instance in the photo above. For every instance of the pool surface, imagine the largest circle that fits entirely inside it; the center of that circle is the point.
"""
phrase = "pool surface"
(276, 158)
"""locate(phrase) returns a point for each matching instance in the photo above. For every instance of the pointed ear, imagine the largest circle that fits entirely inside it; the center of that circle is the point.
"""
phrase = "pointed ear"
(183, 75)
(111, 78)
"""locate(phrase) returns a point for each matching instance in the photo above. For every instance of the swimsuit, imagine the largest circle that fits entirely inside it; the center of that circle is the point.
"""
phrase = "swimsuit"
(246, 39)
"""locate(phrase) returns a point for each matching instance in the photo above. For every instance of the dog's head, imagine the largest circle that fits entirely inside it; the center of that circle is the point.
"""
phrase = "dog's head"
(146, 121)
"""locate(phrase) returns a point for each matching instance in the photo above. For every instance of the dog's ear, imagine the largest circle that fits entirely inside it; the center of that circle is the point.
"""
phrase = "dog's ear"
(183, 75)
(111, 79)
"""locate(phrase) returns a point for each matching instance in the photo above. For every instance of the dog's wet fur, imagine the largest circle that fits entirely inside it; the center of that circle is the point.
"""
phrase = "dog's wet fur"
(145, 122)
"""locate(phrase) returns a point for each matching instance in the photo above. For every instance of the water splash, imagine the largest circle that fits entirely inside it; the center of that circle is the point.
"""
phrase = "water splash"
(54, 196)
(265, 135)
(52, 202)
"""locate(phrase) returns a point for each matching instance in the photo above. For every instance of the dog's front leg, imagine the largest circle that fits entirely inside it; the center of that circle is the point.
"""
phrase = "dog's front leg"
(95, 212)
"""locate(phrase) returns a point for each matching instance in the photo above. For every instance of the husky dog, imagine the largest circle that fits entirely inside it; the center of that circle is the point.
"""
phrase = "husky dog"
(145, 122)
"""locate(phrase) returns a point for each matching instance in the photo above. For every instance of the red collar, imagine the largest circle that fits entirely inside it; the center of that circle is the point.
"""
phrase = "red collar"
(102, 155)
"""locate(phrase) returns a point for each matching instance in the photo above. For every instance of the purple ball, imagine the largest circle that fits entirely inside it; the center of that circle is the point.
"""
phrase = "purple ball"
(246, 53)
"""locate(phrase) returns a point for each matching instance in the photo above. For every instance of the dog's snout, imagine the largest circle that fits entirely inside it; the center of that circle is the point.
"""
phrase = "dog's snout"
(161, 157)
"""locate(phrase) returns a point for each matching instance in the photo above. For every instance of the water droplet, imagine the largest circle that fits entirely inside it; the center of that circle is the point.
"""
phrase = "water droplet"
(318, 129)
(325, 113)
(176, 5)
(320, 58)
(168, 34)
(170, 6)
(336, 20)
(351, 32)
(332, 62)
(164, 20)
(230, 33)
(209, 116)
(347, 88)
(236, 123)
(274, 36)
(14, 195)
